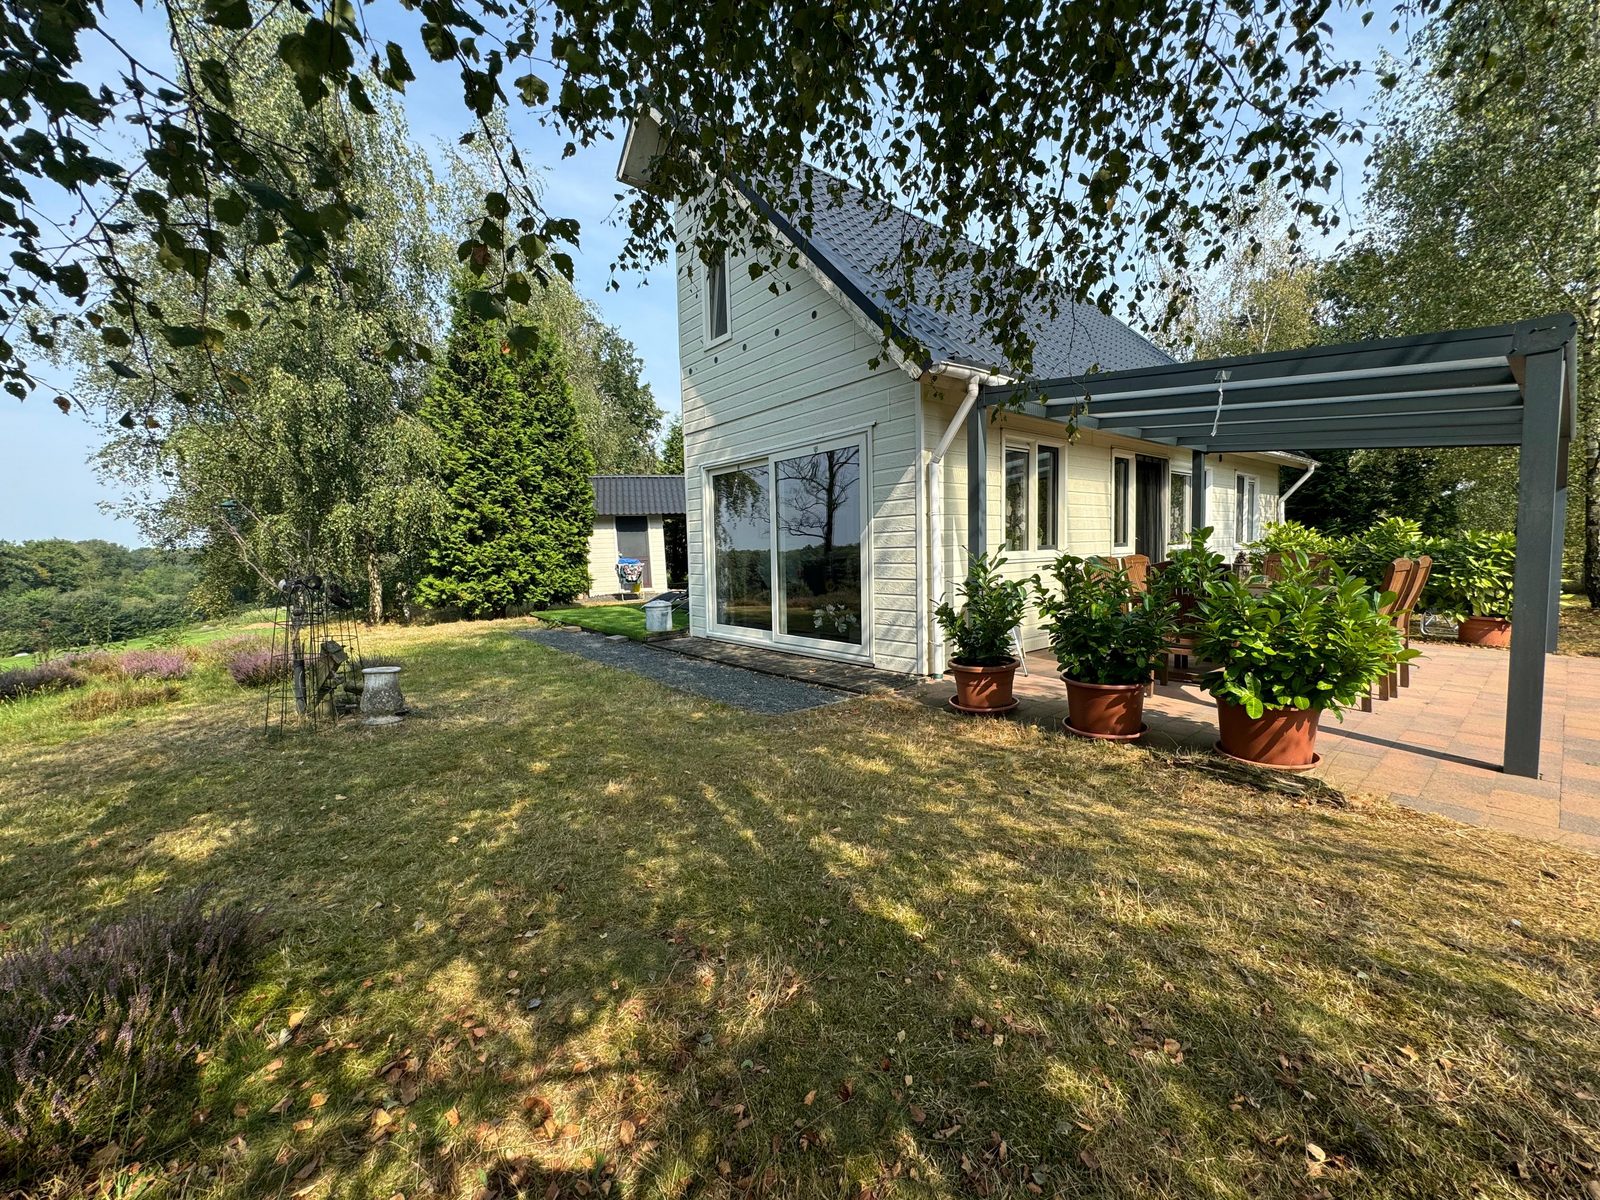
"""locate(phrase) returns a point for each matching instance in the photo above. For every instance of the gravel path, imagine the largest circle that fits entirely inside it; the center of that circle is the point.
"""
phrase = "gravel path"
(748, 690)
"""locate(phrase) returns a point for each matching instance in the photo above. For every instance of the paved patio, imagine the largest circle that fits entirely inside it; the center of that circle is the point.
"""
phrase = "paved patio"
(1436, 748)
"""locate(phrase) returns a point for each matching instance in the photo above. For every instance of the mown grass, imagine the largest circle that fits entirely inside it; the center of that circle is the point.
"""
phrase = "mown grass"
(1580, 627)
(626, 619)
(868, 949)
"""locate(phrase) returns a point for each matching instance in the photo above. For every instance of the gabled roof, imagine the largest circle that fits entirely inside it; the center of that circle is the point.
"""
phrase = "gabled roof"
(853, 234)
(637, 495)
(853, 237)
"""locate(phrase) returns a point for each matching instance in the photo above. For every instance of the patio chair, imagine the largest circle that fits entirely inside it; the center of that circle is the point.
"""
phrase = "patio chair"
(1272, 564)
(1406, 609)
(1396, 580)
(1137, 569)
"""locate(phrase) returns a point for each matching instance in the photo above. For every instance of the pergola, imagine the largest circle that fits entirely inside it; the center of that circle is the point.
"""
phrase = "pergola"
(1510, 385)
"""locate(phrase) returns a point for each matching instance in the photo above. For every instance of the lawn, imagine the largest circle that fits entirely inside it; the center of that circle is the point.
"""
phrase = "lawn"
(626, 619)
(550, 938)
(1580, 627)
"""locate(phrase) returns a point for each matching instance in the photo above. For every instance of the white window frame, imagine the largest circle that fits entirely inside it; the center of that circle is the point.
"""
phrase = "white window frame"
(1248, 506)
(815, 647)
(1124, 547)
(1173, 536)
(1030, 522)
(706, 338)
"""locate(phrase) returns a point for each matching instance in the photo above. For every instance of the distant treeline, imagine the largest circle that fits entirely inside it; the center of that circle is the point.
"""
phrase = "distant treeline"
(56, 594)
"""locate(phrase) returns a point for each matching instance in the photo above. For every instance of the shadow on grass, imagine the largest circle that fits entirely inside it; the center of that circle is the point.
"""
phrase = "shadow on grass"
(566, 930)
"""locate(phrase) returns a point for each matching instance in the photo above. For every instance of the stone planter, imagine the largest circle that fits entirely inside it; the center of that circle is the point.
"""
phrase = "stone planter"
(381, 701)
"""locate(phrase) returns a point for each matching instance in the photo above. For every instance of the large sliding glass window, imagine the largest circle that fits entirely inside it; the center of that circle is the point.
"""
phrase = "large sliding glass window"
(790, 556)
(819, 545)
(742, 520)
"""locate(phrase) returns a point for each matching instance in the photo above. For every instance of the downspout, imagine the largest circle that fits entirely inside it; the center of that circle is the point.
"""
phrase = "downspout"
(1283, 499)
(935, 483)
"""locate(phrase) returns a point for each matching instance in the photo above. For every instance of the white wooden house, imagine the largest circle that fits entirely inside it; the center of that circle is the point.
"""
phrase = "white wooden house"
(814, 522)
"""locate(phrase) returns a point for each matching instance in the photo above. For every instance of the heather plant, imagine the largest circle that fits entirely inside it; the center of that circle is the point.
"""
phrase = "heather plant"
(97, 663)
(256, 665)
(53, 675)
(100, 1030)
(154, 664)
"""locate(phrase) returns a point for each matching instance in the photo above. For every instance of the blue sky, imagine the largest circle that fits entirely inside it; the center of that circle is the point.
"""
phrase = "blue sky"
(49, 489)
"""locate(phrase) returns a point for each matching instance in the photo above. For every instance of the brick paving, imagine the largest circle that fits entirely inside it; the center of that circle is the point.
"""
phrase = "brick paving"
(1436, 748)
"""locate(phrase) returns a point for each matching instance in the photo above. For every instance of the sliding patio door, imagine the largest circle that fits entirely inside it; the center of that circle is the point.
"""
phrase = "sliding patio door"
(789, 549)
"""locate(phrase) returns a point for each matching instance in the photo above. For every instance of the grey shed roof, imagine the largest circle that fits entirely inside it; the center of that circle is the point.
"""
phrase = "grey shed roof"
(637, 495)
(853, 235)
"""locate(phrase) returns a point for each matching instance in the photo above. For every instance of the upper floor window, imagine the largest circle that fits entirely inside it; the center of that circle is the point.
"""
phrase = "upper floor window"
(716, 292)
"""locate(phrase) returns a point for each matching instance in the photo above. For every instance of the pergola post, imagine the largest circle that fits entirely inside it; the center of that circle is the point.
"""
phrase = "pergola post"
(1197, 490)
(977, 480)
(1541, 482)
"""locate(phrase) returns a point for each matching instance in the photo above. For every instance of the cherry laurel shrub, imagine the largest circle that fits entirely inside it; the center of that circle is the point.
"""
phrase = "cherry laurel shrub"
(991, 607)
(1314, 639)
(98, 1029)
(1103, 630)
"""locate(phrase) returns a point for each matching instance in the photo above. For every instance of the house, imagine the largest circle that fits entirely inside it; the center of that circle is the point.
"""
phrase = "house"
(642, 517)
(815, 524)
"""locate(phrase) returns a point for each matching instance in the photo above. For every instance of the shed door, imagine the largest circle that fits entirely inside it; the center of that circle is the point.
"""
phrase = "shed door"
(633, 541)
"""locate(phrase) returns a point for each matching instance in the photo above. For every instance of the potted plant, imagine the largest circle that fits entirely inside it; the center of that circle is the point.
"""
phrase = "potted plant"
(1107, 636)
(1291, 649)
(1473, 581)
(983, 664)
(1189, 570)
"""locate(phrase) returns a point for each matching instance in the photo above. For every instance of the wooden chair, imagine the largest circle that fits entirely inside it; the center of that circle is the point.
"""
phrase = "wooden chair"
(1396, 580)
(1137, 569)
(1272, 564)
(1406, 609)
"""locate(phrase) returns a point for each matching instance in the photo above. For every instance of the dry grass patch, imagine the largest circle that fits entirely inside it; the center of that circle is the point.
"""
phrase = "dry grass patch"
(563, 931)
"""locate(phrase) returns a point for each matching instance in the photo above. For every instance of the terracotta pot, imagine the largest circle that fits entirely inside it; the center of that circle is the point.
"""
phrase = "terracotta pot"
(1113, 711)
(1282, 738)
(1485, 631)
(984, 690)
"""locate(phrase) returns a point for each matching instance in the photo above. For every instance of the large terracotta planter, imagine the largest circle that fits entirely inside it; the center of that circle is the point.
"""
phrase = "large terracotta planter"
(1113, 712)
(1485, 631)
(1284, 739)
(984, 691)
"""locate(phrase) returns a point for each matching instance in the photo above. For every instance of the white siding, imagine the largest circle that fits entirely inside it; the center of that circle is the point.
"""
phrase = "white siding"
(795, 371)
(1086, 528)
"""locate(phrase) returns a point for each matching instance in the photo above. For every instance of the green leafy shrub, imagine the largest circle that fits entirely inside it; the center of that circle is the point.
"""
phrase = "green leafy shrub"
(1291, 537)
(991, 607)
(1313, 639)
(1101, 628)
(1188, 571)
(98, 1029)
(1473, 575)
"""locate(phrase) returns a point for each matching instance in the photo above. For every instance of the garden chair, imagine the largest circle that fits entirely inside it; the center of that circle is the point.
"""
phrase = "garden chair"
(1396, 579)
(1406, 608)
(1272, 565)
(1137, 569)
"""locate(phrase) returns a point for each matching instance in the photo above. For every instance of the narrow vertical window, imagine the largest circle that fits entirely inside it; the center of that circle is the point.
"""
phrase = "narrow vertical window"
(1047, 496)
(717, 298)
(1121, 500)
(1178, 520)
(1016, 498)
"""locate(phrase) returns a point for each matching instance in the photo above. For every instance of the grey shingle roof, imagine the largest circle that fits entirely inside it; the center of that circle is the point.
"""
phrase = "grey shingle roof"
(637, 495)
(851, 236)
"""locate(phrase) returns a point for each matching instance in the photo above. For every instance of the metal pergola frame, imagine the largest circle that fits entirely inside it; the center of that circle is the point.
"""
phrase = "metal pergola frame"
(1509, 385)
